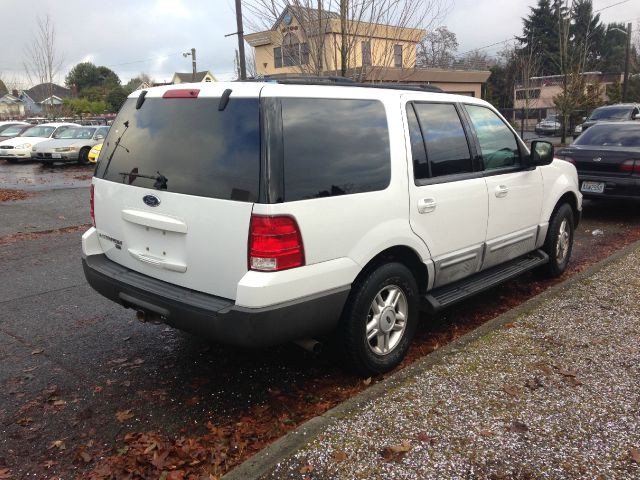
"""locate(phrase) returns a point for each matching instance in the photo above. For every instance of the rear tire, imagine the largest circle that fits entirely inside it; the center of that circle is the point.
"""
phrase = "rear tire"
(559, 242)
(380, 319)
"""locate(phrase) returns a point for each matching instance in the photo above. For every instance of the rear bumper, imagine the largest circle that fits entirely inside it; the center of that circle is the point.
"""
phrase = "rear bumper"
(614, 187)
(216, 318)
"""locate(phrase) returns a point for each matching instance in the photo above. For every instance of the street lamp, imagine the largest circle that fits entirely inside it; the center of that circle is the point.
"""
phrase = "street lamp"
(193, 62)
(626, 59)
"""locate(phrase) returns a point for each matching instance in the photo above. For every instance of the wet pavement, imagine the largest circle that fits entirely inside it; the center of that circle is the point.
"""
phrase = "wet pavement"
(77, 372)
(33, 176)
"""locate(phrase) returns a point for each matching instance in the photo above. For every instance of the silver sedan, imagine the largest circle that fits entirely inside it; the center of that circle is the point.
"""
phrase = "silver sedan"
(72, 145)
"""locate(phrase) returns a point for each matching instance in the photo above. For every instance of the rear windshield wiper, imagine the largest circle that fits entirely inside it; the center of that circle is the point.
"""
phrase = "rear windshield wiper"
(160, 180)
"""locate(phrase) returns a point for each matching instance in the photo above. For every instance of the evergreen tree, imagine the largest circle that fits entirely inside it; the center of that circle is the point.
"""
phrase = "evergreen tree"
(540, 34)
(586, 33)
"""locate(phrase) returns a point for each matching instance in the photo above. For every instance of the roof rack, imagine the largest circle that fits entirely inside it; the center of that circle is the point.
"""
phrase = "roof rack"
(347, 82)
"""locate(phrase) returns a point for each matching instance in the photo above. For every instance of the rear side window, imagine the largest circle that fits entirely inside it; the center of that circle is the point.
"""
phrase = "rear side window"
(334, 147)
(200, 150)
(447, 147)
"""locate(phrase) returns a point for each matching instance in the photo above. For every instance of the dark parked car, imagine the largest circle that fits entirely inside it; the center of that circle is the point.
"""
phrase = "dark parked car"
(609, 113)
(607, 157)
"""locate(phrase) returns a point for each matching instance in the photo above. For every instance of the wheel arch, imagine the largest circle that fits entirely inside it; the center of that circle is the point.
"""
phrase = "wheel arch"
(570, 198)
(404, 255)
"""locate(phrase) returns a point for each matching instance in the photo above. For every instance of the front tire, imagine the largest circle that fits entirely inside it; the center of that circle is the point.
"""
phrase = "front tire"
(380, 319)
(83, 156)
(559, 242)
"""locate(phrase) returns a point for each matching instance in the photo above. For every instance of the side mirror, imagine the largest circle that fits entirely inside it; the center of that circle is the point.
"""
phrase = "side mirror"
(584, 119)
(541, 153)
(99, 137)
(636, 116)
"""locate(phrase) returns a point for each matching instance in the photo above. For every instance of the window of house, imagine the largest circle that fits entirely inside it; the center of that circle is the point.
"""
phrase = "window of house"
(334, 147)
(290, 50)
(277, 57)
(498, 143)
(304, 53)
(397, 55)
(532, 93)
(445, 139)
(366, 53)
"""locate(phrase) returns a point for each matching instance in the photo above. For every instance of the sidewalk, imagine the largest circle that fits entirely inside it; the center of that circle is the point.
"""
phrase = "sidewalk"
(548, 390)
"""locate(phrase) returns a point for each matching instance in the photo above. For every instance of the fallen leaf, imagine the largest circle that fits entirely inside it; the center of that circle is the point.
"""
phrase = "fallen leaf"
(426, 438)
(138, 361)
(306, 469)
(487, 433)
(511, 390)
(566, 373)
(59, 403)
(367, 381)
(509, 325)
(190, 402)
(546, 369)
(634, 453)
(31, 369)
(5, 473)
(48, 463)
(59, 444)
(24, 421)
(395, 452)
(176, 475)
(97, 389)
(574, 382)
(123, 415)
(518, 427)
(37, 351)
(339, 456)
(118, 360)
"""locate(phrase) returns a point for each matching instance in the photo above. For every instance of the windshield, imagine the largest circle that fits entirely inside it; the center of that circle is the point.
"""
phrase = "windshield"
(79, 133)
(44, 132)
(11, 131)
(611, 136)
(198, 149)
(551, 118)
(610, 113)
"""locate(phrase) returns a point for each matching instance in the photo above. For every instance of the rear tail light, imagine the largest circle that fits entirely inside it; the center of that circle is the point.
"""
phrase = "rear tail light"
(275, 243)
(630, 166)
(91, 202)
(182, 93)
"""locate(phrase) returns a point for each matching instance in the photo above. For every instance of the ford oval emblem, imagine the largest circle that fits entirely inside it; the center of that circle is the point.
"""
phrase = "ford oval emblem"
(151, 200)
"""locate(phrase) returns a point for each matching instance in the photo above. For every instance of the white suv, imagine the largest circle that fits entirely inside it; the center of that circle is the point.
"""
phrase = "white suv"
(260, 213)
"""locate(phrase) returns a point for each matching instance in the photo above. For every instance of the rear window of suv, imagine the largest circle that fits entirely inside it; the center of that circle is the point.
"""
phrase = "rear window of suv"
(199, 150)
(334, 147)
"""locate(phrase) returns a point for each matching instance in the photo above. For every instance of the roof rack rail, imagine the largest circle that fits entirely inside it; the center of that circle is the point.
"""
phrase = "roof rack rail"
(346, 82)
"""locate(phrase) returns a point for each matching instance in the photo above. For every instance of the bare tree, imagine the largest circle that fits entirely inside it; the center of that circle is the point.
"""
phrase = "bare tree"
(438, 48)
(349, 26)
(528, 65)
(43, 61)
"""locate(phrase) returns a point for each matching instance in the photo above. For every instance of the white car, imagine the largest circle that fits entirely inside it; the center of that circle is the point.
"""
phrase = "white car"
(260, 213)
(19, 148)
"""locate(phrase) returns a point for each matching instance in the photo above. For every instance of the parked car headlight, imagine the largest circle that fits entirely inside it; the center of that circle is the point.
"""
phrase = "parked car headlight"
(65, 149)
(578, 129)
(23, 146)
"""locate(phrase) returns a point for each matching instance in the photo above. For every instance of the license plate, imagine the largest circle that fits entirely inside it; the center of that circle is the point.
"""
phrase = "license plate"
(56, 155)
(592, 187)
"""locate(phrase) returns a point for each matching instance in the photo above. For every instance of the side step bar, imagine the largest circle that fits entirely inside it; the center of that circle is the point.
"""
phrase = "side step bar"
(442, 297)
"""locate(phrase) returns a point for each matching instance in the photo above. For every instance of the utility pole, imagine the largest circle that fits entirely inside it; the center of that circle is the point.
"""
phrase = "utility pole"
(625, 85)
(243, 66)
(193, 64)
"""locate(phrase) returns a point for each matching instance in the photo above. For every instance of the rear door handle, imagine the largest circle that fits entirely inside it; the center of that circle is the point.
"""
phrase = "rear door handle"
(501, 191)
(427, 205)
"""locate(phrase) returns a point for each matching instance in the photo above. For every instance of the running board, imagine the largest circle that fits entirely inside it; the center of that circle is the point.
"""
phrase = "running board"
(442, 297)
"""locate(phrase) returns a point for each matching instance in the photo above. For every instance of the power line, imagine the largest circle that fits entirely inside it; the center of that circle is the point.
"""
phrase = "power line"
(612, 5)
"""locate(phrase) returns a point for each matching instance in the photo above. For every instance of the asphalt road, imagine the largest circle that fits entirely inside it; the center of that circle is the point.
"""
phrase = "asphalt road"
(71, 362)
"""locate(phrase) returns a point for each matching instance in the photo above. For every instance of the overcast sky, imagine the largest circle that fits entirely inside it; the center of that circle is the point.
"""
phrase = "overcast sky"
(132, 36)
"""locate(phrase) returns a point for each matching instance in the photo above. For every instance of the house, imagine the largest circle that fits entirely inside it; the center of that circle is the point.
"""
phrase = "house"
(538, 92)
(45, 94)
(205, 76)
(11, 107)
(305, 41)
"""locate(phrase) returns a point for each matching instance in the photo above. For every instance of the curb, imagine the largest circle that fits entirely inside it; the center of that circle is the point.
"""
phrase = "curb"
(264, 461)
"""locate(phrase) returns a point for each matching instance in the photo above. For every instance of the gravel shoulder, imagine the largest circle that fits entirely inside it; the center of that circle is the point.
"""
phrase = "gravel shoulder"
(549, 391)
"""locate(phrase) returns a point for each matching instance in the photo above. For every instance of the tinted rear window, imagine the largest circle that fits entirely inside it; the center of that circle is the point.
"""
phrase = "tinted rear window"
(200, 150)
(611, 113)
(611, 136)
(334, 147)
